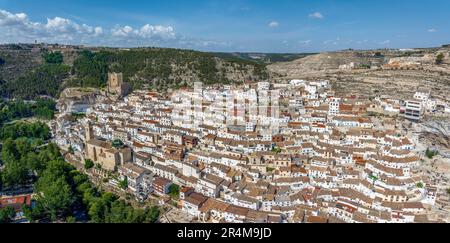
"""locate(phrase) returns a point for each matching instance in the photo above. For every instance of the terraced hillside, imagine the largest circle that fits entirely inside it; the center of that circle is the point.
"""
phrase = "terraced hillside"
(25, 74)
(16, 60)
(388, 72)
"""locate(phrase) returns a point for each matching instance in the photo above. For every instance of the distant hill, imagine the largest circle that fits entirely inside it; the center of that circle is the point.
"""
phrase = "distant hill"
(265, 58)
(17, 59)
(25, 74)
(370, 73)
(350, 61)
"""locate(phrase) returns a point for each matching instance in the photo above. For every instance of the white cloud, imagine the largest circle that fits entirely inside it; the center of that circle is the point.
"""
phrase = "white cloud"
(385, 42)
(316, 15)
(9, 19)
(126, 31)
(60, 25)
(274, 24)
(98, 30)
(156, 35)
(432, 30)
(19, 28)
(148, 31)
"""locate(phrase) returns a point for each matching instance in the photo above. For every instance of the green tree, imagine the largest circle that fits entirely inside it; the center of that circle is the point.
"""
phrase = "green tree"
(53, 57)
(15, 167)
(16, 130)
(277, 150)
(98, 166)
(97, 210)
(14, 173)
(420, 185)
(45, 109)
(54, 194)
(269, 169)
(151, 214)
(71, 220)
(174, 191)
(59, 187)
(28, 213)
(45, 80)
(7, 214)
(431, 153)
(124, 183)
(120, 212)
(14, 110)
(440, 59)
(117, 143)
(88, 164)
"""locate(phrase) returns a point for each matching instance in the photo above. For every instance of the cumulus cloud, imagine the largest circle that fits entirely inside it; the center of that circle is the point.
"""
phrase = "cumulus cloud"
(146, 32)
(432, 30)
(17, 27)
(274, 24)
(385, 42)
(60, 25)
(316, 15)
(9, 19)
(98, 30)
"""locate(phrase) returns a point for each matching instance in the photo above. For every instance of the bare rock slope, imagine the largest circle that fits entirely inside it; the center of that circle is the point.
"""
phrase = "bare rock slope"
(370, 73)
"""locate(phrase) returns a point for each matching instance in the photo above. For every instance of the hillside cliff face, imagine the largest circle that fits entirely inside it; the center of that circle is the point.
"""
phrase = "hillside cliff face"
(16, 60)
(327, 63)
(324, 64)
(398, 73)
(154, 68)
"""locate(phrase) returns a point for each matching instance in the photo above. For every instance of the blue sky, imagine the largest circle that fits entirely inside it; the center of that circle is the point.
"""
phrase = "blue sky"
(230, 25)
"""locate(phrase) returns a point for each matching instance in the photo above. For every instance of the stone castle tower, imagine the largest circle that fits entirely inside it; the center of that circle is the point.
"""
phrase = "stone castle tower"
(116, 86)
(115, 81)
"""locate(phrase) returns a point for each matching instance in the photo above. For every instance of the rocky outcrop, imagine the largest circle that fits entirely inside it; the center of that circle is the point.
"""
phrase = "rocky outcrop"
(436, 132)
(370, 73)
(323, 64)
(76, 100)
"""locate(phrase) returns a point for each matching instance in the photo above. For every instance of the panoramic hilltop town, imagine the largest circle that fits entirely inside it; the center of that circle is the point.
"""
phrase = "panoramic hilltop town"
(262, 152)
(224, 119)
